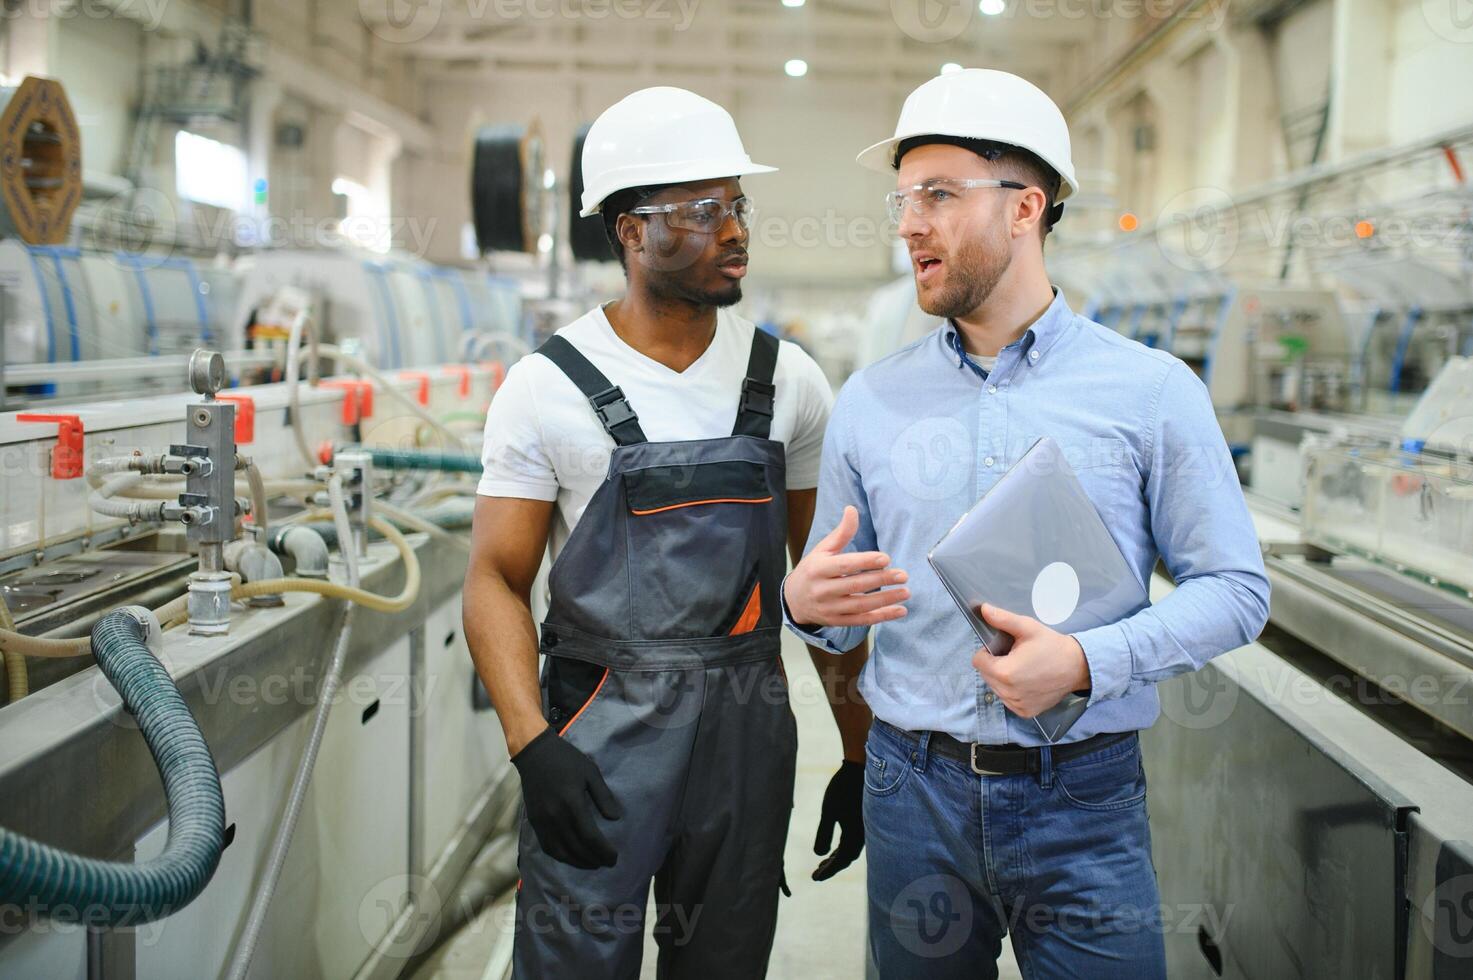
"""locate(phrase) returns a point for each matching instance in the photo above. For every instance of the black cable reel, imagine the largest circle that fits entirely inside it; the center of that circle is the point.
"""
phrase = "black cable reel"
(507, 195)
(585, 235)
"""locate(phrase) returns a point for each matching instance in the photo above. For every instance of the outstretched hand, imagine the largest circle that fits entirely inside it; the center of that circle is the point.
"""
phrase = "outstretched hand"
(832, 587)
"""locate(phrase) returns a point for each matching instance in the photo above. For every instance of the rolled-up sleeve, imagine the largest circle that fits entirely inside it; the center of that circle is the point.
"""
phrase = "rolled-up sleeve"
(1205, 537)
(839, 485)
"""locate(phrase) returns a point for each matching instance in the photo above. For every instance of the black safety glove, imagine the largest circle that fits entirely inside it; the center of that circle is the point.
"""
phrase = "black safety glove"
(560, 787)
(843, 804)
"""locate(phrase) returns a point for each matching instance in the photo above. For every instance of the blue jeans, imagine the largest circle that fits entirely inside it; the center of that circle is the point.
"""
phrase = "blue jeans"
(1061, 860)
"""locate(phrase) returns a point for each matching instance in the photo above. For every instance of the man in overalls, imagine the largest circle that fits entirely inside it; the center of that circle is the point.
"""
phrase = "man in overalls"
(670, 450)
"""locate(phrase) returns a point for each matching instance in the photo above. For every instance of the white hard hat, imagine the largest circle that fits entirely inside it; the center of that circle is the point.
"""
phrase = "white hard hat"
(980, 103)
(660, 135)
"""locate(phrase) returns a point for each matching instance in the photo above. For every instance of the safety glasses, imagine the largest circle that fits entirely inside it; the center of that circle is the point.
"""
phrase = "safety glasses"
(935, 195)
(705, 215)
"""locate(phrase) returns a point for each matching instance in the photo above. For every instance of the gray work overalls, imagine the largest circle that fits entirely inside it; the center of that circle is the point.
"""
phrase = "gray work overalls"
(662, 665)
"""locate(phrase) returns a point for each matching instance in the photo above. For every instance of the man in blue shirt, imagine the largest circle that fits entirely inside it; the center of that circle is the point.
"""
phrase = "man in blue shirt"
(977, 828)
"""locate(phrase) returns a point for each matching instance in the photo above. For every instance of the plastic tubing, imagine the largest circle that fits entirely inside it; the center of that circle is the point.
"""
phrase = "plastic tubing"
(337, 590)
(258, 500)
(67, 887)
(416, 523)
(17, 677)
(36, 646)
(301, 324)
(251, 935)
(101, 500)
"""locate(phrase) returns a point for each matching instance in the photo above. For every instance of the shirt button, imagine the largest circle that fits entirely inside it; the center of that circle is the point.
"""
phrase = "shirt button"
(1033, 355)
(988, 697)
(992, 389)
(988, 461)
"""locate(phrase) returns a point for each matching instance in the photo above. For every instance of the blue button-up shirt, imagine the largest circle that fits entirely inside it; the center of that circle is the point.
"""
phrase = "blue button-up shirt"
(913, 442)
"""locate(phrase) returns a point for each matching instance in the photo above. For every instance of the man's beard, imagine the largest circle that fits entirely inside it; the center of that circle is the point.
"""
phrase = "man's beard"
(668, 266)
(673, 286)
(972, 273)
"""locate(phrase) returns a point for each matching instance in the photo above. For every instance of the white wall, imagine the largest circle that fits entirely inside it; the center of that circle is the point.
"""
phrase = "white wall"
(98, 62)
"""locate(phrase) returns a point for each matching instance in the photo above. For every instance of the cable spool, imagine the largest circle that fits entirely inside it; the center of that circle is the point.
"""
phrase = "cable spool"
(506, 187)
(40, 162)
(585, 235)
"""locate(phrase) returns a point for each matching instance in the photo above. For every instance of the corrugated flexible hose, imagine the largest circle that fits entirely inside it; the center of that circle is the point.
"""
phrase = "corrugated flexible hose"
(67, 887)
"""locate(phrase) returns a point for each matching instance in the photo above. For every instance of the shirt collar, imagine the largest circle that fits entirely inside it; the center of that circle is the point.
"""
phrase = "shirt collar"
(1037, 339)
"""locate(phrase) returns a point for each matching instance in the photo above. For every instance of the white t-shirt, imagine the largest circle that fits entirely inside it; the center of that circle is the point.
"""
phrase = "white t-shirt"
(543, 441)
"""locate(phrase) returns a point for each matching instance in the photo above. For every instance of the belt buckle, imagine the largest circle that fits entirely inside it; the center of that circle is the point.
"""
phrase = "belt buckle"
(978, 769)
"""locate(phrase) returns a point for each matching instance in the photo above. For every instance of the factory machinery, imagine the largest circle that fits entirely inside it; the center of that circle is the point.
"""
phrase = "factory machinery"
(240, 732)
(1312, 793)
(292, 555)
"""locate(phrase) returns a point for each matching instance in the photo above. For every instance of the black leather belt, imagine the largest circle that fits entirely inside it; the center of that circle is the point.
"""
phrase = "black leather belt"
(1006, 760)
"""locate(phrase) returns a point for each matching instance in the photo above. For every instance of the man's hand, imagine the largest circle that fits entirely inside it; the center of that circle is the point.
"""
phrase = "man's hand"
(830, 588)
(1042, 667)
(564, 792)
(843, 804)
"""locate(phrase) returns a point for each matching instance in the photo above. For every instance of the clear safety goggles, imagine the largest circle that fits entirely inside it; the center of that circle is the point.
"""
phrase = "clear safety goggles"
(705, 215)
(934, 196)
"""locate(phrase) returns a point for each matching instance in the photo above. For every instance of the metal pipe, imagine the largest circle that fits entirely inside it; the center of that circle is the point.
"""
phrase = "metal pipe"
(241, 962)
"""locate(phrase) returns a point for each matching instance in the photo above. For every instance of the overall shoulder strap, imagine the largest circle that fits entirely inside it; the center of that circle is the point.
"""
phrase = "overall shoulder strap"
(608, 401)
(754, 417)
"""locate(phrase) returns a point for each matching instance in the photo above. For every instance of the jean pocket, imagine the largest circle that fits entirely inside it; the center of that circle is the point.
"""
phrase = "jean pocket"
(1115, 782)
(885, 769)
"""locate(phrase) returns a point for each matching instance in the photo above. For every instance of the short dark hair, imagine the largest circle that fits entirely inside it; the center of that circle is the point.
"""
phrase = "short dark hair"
(620, 202)
(1023, 164)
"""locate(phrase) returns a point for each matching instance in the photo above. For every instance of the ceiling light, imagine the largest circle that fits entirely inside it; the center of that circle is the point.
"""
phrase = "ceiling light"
(796, 68)
(792, 3)
(950, 67)
(992, 7)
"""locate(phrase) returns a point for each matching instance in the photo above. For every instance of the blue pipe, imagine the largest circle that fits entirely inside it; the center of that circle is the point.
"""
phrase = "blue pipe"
(67, 887)
(388, 352)
(1403, 345)
(45, 305)
(418, 459)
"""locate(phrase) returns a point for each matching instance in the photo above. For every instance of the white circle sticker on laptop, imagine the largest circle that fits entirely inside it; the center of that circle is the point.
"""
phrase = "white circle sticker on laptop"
(1055, 593)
